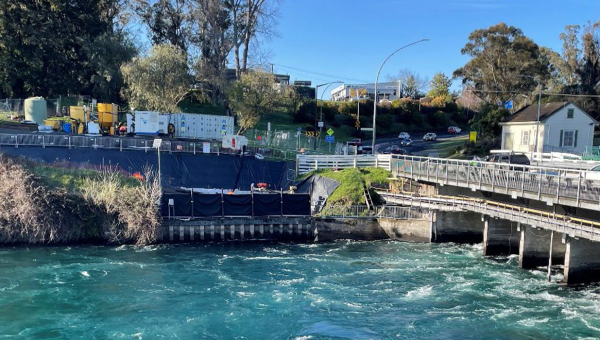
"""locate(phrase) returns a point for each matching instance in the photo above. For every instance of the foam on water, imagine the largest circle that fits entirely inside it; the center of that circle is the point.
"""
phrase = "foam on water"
(341, 290)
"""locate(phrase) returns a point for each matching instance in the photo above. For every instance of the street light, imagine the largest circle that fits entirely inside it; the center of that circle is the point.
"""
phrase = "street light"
(317, 105)
(376, 94)
(537, 124)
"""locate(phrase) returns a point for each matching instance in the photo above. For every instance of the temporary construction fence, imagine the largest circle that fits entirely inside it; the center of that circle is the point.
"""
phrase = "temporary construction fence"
(180, 204)
(140, 144)
(308, 141)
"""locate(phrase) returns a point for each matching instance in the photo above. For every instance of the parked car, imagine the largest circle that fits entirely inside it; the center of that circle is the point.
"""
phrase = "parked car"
(430, 136)
(367, 150)
(403, 135)
(398, 151)
(406, 142)
(511, 159)
(593, 173)
(355, 142)
(394, 150)
(454, 130)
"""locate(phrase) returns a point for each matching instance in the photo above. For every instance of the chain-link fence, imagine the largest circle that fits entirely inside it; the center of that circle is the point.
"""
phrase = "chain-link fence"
(301, 142)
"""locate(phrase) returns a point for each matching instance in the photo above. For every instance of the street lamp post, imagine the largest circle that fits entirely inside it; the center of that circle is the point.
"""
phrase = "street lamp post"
(377, 95)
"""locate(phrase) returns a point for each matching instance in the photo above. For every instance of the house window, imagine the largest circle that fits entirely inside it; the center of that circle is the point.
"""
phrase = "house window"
(569, 138)
(570, 113)
(525, 138)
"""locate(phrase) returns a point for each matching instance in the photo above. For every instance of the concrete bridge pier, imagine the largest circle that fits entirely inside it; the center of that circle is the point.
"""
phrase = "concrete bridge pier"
(500, 237)
(582, 261)
(458, 227)
(536, 245)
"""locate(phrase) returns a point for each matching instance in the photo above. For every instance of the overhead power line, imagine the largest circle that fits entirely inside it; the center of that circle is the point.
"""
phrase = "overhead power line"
(332, 76)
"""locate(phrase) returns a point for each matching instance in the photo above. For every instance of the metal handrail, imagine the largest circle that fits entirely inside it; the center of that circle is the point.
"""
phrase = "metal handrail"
(503, 178)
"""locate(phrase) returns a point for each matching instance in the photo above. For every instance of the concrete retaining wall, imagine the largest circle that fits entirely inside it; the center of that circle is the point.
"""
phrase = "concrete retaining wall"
(227, 229)
(381, 229)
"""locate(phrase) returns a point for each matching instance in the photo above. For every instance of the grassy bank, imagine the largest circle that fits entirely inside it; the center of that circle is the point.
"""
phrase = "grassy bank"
(353, 183)
(50, 205)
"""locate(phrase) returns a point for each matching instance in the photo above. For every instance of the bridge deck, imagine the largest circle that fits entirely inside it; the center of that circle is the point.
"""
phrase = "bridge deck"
(553, 185)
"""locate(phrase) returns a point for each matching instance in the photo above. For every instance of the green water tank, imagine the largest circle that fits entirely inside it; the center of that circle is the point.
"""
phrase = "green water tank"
(35, 109)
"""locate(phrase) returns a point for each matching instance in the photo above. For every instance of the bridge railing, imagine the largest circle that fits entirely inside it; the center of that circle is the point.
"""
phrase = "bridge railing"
(383, 211)
(501, 177)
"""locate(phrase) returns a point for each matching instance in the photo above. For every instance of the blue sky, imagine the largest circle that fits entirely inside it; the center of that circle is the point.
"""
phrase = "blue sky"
(351, 38)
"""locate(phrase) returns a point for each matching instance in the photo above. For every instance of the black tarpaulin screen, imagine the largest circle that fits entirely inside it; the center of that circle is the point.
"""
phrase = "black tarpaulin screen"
(207, 205)
(182, 206)
(237, 205)
(267, 204)
(296, 204)
(210, 205)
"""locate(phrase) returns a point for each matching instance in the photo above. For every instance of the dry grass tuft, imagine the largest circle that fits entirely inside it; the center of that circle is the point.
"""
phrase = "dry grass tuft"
(131, 211)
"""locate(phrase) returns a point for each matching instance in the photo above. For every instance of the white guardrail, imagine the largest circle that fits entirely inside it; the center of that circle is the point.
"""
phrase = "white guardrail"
(308, 163)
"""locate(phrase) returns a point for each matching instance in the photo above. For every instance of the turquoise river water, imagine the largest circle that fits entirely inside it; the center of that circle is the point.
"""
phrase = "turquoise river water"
(342, 290)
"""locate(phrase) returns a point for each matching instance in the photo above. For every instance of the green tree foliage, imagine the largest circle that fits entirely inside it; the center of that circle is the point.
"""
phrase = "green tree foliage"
(167, 21)
(487, 122)
(500, 53)
(439, 86)
(411, 87)
(251, 97)
(159, 81)
(55, 47)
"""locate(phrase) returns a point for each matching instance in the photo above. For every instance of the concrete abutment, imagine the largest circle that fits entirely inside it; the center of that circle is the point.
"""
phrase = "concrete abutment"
(582, 261)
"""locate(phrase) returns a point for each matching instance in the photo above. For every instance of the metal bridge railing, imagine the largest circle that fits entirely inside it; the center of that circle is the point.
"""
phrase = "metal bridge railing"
(502, 178)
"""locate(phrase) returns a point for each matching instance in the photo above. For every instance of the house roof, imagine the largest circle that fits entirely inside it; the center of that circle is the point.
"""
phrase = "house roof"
(529, 113)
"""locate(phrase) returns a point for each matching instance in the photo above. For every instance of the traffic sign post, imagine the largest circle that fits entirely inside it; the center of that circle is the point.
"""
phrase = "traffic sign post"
(330, 139)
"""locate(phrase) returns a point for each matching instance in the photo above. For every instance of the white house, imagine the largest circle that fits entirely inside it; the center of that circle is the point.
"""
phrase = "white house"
(563, 127)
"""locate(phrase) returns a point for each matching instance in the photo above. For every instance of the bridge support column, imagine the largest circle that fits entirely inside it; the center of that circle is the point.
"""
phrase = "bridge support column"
(459, 227)
(534, 248)
(582, 261)
(500, 237)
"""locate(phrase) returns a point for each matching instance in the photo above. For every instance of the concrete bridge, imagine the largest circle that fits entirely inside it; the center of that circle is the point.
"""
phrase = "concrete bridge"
(547, 215)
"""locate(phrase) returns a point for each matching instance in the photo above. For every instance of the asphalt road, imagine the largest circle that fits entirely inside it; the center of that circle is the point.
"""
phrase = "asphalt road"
(418, 147)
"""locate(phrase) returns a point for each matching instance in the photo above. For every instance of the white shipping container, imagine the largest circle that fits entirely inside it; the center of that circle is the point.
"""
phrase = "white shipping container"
(163, 123)
(193, 125)
(146, 123)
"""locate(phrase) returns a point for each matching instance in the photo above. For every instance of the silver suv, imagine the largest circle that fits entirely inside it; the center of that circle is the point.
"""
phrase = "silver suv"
(430, 136)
